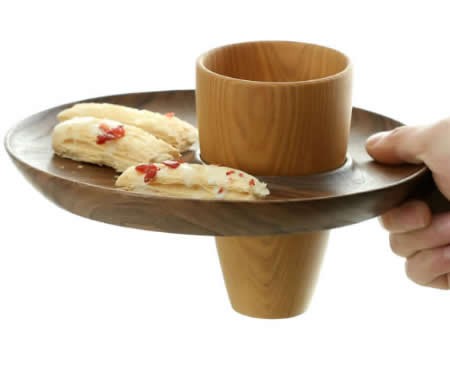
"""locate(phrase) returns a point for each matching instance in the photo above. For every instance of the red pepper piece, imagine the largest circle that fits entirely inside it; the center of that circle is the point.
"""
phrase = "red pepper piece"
(118, 132)
(150, 171)
(102, 138)
(142, 168)
(150, 174)
(110, 134)
(172, 163)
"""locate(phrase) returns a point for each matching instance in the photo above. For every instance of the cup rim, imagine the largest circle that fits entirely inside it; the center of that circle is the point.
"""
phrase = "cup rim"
(347, 68)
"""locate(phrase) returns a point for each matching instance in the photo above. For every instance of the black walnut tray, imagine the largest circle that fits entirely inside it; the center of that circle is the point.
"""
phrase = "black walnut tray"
(359, 190)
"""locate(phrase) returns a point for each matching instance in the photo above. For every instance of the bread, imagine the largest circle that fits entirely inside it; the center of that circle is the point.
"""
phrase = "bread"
(169, 128)
(192, 181)
(108, 142)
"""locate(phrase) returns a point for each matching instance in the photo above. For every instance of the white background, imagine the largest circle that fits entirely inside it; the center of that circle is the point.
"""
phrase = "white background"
(74, 291)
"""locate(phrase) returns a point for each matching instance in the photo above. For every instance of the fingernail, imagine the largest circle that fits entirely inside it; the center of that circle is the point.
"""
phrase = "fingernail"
(417, 216)
(375, 138)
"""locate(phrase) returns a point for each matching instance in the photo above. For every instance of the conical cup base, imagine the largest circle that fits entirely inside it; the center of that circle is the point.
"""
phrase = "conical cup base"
(271, 276)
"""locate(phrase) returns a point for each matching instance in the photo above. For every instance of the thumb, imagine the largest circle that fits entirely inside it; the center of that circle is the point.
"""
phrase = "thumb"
(401, 145)
(419, 144)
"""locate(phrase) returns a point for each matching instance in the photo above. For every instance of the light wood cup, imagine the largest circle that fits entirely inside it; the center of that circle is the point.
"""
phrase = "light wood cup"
(273, 108)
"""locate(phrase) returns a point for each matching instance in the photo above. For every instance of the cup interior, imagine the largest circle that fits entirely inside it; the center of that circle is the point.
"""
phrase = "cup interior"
(275, 61)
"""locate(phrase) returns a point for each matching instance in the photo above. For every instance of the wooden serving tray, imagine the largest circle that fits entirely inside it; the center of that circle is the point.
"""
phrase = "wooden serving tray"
(359, 190)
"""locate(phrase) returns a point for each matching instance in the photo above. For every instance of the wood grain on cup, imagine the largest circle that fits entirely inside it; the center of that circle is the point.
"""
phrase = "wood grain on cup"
(273, 108)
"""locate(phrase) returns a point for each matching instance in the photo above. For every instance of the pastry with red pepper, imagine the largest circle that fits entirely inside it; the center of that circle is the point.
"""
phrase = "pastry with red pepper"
(181, 179)
(167, 127)
(108, 142)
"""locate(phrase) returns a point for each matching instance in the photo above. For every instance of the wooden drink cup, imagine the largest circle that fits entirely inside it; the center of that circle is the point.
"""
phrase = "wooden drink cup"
(273, 108)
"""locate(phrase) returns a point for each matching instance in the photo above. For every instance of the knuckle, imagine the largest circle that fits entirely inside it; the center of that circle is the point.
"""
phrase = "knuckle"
(440, 128)
(440, 262)
(434, 149)
(425, 266)
(422, 208)
(440, 230)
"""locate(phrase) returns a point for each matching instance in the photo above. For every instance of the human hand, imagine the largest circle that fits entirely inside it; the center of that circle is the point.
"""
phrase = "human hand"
(422, 238)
